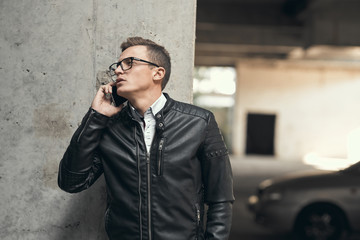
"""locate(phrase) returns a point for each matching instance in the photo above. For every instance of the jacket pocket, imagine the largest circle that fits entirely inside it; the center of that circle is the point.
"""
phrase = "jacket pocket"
(160, 157)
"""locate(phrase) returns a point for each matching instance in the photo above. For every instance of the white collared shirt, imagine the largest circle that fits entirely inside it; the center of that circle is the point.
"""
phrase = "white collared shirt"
(148, 124)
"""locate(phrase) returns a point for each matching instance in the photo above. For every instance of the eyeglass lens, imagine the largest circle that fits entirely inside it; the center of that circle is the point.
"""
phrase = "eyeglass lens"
(126, 64)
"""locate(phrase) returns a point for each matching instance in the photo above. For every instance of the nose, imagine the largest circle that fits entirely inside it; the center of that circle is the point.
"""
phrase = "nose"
(118, 70)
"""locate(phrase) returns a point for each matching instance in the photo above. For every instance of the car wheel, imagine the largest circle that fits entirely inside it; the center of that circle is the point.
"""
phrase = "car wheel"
(321, 222)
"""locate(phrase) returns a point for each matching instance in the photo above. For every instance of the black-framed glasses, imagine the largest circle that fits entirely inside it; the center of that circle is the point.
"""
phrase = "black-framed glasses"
(126, 64)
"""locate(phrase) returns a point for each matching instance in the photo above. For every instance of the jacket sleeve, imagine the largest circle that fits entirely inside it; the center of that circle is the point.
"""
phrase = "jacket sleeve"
(81, 164)
(218, 183)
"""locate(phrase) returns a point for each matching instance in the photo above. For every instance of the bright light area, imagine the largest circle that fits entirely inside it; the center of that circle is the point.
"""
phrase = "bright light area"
(220, 80)
(353, 145)
(214, 86)
(215, 101)
(327, 52)
(328, 163)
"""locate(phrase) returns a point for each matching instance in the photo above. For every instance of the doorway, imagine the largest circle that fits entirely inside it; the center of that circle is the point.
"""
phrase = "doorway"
(260, 134)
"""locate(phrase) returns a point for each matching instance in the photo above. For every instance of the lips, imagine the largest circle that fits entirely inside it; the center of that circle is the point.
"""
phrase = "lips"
(119, 80)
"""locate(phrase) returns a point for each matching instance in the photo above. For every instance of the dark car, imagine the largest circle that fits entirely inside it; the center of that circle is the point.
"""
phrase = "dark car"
(319, 205)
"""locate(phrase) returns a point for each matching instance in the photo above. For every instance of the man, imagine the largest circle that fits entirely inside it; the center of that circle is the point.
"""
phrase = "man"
(162, 159)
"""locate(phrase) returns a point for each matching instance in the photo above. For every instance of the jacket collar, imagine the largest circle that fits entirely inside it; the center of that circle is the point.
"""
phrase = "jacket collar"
(156, 107)
(163, 111)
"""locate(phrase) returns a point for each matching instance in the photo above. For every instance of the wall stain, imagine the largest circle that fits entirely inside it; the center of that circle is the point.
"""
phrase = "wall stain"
(51, 121)
(73, 225)
(50, 174)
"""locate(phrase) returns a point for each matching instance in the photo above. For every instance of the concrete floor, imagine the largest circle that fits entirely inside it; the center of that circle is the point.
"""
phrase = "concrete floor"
(248, 173)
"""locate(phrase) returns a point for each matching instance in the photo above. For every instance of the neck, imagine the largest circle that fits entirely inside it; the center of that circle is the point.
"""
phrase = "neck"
(143, 103)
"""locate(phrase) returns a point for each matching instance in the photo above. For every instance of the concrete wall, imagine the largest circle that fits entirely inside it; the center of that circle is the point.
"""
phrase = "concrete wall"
(52, 54)
(315, 103)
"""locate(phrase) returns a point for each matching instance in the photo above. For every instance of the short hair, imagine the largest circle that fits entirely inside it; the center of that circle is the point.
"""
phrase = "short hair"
(157, 54)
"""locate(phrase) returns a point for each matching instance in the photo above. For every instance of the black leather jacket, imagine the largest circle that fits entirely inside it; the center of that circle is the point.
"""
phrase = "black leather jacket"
(160, 195)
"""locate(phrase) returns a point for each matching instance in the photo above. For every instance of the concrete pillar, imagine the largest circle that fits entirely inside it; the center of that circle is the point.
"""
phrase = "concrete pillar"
(52, 55)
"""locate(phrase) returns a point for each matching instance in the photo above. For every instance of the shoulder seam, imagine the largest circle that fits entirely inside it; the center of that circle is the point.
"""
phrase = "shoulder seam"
(205, 113)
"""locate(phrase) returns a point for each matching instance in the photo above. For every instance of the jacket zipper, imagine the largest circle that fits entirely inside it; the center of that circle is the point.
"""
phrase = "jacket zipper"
(148, 167)
(85, 126)
(198, 220)
(149, 193)
(107, 213)
(139, 182)
(160, 157)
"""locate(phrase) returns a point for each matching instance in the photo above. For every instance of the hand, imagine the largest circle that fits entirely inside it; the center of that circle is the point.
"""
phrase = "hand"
(102, 102)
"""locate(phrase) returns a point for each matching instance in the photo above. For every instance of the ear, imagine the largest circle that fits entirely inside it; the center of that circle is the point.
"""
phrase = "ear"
(158, 73)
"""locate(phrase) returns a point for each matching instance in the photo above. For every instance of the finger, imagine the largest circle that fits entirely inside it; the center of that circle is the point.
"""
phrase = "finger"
(102, 88)
(100, 93)
(106, 89)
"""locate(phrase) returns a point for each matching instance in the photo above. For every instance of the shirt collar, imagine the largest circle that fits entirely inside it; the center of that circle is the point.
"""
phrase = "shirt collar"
(158, 104)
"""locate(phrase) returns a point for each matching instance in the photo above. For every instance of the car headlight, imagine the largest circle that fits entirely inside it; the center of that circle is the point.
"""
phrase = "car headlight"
(272, 196)
(275, 196)
(265, 184)
(253, 200)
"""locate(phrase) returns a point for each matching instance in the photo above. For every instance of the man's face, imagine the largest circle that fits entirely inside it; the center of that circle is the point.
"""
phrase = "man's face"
(138, 79)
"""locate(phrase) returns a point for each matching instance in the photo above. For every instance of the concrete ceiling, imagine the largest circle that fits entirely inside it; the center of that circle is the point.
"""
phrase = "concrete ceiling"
(227, 30)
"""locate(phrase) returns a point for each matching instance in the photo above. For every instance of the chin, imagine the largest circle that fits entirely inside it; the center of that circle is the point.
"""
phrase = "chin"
(123, 93)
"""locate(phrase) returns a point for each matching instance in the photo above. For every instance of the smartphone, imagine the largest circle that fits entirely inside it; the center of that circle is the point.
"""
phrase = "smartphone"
(118, 100)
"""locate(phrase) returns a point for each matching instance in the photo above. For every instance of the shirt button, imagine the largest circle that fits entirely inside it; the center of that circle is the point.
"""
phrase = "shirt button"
(161, 125)
(158, 115)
